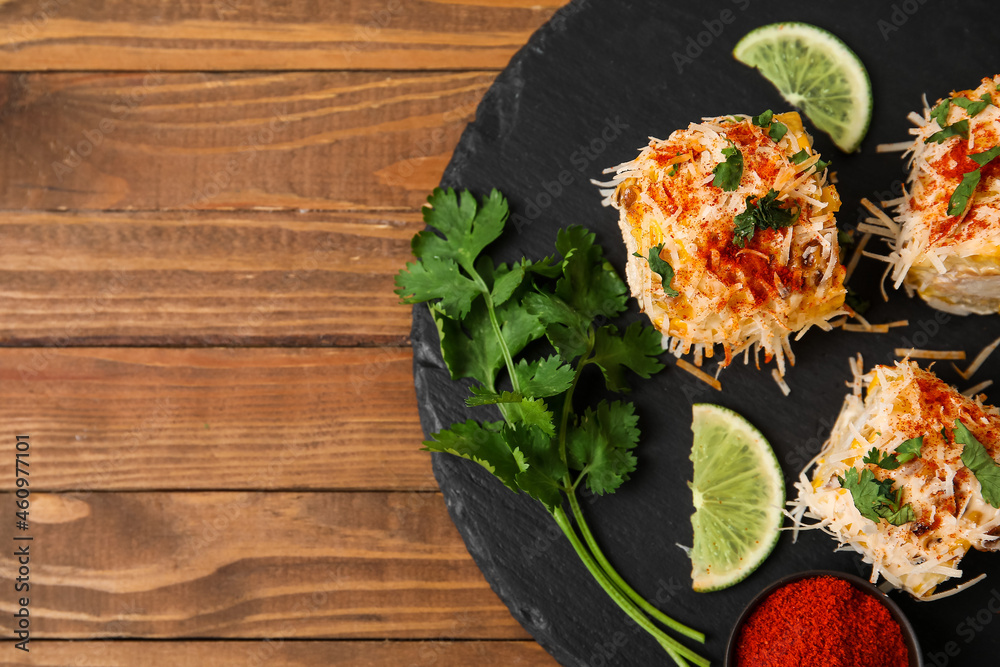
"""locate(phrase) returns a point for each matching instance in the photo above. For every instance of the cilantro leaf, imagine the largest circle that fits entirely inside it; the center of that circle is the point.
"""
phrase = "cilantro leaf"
(600, 444)
(637, 349)
(564, 327)
(763, 119)
(959, 129)
(589, 283)
(465, 227)
(661, 267)
(441, 279)
(482, 443)
(888, 462)
(803, 155)
(985, 157)
(762, 213)
(483, 396)
(910, 449)
(875, 499)
(775, 129)
(541, 477)
(673, 170)
(963, 193)
(897, 516)
(470, 347)
(940, 113)
(973, 108)
(545, 377)
(505, 281)
(864, 491)
(729, 172)
(532, 412)
(978, 460)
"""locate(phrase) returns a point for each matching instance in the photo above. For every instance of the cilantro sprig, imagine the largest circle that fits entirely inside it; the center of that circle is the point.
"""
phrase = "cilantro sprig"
(544, 445)
(875, 499)
(762, 213)
(729, 172)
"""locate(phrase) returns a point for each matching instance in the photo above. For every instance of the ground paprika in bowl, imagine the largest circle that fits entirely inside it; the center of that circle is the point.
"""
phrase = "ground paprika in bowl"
(822, 618)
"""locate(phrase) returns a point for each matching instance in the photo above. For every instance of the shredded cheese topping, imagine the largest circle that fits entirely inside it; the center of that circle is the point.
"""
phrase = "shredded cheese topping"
(926, 242)
(904, 402)
(781, 282)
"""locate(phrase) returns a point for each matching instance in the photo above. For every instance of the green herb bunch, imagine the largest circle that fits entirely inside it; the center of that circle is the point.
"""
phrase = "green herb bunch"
(544, 446)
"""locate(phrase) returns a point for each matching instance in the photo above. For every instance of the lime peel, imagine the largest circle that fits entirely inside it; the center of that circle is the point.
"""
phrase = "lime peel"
(739, 492)
(815, 71)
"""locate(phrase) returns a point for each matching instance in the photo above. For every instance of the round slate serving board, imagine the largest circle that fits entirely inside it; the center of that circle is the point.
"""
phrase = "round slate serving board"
(584, 94)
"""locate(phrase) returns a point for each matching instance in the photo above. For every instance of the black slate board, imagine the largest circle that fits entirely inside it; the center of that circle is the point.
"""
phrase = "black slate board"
(584, 94)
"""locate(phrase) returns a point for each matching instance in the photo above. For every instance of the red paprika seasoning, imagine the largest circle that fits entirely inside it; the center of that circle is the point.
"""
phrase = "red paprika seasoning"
(821, 622)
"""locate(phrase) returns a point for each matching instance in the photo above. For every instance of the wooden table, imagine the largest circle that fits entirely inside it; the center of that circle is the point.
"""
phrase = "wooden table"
(204, 205)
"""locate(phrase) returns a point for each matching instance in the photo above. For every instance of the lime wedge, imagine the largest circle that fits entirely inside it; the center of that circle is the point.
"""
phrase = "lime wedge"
(738, 495)
(816, 72)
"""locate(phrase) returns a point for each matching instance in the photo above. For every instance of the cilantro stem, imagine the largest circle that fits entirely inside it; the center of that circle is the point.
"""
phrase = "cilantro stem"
(568, 406)
(504, 350)
(676, 650)
(621, 583)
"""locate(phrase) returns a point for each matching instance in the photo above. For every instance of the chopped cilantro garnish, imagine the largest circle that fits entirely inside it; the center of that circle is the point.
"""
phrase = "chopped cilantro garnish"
(959, 129)
(775, 129)
(856, 302)
(673, 170)
(660, 267)
(761, 213)
(986, 156)
(876, 499)
(910, 449)
(545, 445)
(960, 198)
(729, 172)
(978, 460)
(940, 113)
(802, 156)
(907, 451)
(973, 108)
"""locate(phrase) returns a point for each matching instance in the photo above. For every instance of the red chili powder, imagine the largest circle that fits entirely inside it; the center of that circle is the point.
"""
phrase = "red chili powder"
(821, 622)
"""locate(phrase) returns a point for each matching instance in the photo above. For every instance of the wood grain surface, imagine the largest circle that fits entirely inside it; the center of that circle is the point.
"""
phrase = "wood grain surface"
(281, 652)
(314, 565)
(195, 141)
(235, 279)
(203, 208)
(257, 35)
(133, 419)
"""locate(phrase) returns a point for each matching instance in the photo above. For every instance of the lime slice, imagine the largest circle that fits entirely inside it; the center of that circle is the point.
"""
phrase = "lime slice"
(738, 495)
(816, 72)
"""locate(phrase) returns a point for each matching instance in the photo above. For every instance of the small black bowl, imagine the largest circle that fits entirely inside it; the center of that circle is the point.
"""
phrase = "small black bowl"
(863, 585)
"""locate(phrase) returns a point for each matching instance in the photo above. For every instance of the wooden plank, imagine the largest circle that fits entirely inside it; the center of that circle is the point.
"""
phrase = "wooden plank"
(252, 565)
(279, 653)
(244, 35)
(235, 279)
(145, 419)
(293, 140)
